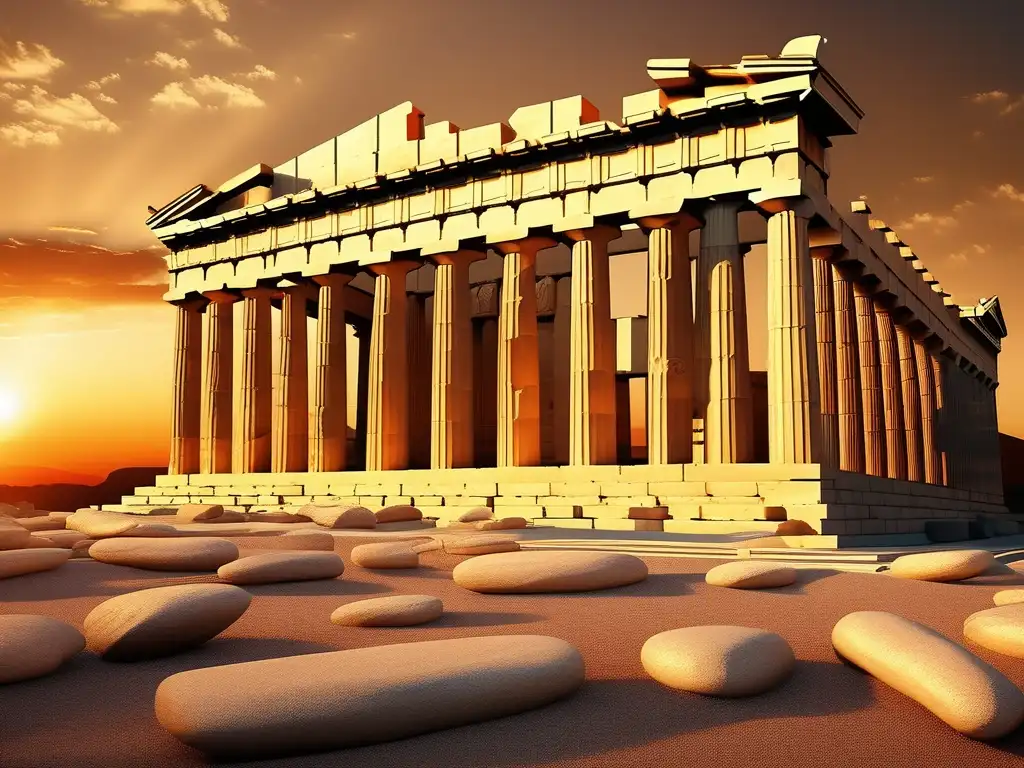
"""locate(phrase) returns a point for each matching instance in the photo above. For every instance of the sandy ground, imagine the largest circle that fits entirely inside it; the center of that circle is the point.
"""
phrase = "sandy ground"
(94, 713)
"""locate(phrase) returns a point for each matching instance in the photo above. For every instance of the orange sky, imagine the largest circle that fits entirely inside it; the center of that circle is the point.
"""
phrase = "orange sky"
(107, 106)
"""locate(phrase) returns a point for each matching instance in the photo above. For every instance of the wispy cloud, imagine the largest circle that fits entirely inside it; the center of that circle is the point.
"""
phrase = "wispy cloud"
(226, 39)
(98, 85)
(216, 10)
(1009, 192)
(259, 72)
(106, 99)
(28, 62)
(29, 134)
(174, 96)
(926, 219)
(924, 179)
(168, 61)
(207, 91)
(1006, 103)
(74, 111)
(973, 251)
(72, 230)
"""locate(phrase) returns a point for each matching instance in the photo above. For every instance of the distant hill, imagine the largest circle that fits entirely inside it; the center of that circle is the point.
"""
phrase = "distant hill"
(67, 497)
(45, 476)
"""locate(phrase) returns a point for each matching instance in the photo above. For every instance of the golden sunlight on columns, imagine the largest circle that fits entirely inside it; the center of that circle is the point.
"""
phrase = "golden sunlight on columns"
(592, 350)
(871, 383)
(794, 420)
(328, 409)
(669, 339)
(929, 443)
(825, 332)
(911, 405)
(387, 418)
(188, 360)
(451, 410)
(848, 389)
(253, 421)
(892, 395)
(215, 453)
(518, 362)
(722, 359)
(942, 416)
(291, 393)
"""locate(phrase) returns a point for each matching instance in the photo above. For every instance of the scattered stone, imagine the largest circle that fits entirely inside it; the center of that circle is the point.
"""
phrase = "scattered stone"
(306, 540)
(718, 660)
(504, 524)
(548, 571)
(475, 515)
(226, 516)
(276, 517)
(386, 555)
(325, 701)
(162, 621)
(795, 528)
(1008, 596)
(81, 548)
(394, 611)
(197, 513)
(750, 574)
(41, 524)
(274, 567)
(340, 516)
(13, 536)
(34, 542)
(33, 646)
(399, 513)
(99, 525)
(998, 629)
(953, 565)
(166, 554)
(21, 511)
(59, 515)
(63, 539)
(960, 689)
(480, 545)
(18, 562)
(152, 531)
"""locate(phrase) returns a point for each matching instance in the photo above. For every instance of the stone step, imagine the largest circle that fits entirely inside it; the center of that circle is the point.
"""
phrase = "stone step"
(760, 527)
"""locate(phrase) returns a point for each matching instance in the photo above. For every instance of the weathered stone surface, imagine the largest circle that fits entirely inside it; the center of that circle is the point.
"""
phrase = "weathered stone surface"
(33, 646)
(399, 513)
(480, 545)
(197, 513)
(398, 554)
(63, 539)
(169, 554)
(324, 701)
(275, 517)
(795, 528)
(475, 515)
(98, 525)
(749, 574)
(504, 524)
(274, 567)
(942, 566)
(393, 611)
(81, 548)
(13, 536)
(718, 660)
(227, 516)
(34, 542)
(21, 511)
(151, 531)
(18, 562)
(162, 621)
(947, 679)
(548, 571)
(1008, 596)
(45, 523)
(319, 541)
(340, 517)
(998, 629)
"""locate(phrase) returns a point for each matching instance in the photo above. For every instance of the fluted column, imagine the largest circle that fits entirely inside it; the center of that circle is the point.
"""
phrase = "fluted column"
(592, 350)
(892, 395)
(518, 362)
(794, 420)
(188, 359)
(911, 395)
(218, 394)
(722, 358)
(929, 442)
(255, 405)
(387, 420)
(328, 409)
(872, 401)
(291, 391)
(848, 386)
(824, 331)
(363, 331)
(451, 411)
(942, 416)
(670, 374)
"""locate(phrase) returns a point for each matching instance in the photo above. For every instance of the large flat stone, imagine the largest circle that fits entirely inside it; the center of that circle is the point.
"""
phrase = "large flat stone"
(33, 646)
(166, 554)
(391, 611)
(954, 565)
(19, 562)
(999, 629)
(276, 567)
(548, 571)
(750, 574)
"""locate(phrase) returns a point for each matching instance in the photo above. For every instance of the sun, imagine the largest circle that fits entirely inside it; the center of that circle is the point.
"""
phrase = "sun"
(9, 406)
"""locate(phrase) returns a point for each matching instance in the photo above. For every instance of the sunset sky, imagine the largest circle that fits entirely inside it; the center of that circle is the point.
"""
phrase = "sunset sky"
(107, 106)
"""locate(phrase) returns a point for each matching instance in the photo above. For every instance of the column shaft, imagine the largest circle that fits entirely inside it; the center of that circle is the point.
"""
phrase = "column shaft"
(892, 396)
(911, 405)
(328, 411)
(872, 400)
(848, 385)
(291, 395)
(215, 455)
(255, 405)
(824, 330)
(387, 420)
(188, 352)
(942, 416)
(929, 442)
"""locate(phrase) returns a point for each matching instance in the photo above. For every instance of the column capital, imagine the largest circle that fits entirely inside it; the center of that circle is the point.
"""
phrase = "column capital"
(458, 257)
(191, 302)
(788, 195)
(393, 268)
(597, 232)
(333, 279)
(258, 292)
(528, 245)
(222, 296)
(297, 287)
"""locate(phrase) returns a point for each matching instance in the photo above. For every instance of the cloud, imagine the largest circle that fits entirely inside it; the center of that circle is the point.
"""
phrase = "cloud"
(106, 99)
(163, 59)
(962, 257)
(174, 96)
(34, 62)
(73, 230)
(13, 87)
(924, 179)
(1009, 192)
(1006, 102)
(75, 111)
(234, 94)
(259, 72)
(226, 39)
(927, 219)
(33, 133)
(97, 85)
(216, 10)
(342, 35)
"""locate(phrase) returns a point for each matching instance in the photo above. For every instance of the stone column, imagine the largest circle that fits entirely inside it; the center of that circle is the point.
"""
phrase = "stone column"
(825, 333)
(328, 409)
(188, 360)
(387, 419)
(215, 454)
(722, 359)
(255, 405)
(892, 395)
(942, 408)
(669, 339)
(291, 393)
(451, 427)
(362, 334)
(592, 350)
(926, 380)
(794, 419)
(848, 386)
(911, 396)
(871, 383)
(518, 363)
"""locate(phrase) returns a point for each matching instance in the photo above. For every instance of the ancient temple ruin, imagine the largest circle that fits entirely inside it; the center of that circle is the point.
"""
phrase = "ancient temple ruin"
(470, 267)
